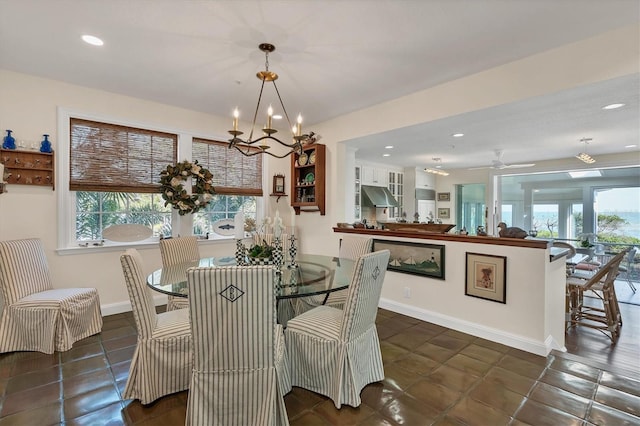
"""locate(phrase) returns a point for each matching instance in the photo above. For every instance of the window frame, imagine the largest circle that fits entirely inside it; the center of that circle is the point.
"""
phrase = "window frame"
(66, 199)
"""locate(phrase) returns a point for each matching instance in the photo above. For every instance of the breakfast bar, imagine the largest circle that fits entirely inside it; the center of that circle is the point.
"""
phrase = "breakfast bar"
(532, 315)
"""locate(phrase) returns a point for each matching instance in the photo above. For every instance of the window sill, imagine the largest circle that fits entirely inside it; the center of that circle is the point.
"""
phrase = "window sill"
(140, 245)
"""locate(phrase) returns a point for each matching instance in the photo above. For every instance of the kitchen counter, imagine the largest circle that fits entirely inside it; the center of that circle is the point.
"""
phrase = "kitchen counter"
(381, 233)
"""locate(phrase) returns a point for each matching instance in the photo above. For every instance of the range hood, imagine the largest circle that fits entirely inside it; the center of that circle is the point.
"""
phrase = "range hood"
(377, 196)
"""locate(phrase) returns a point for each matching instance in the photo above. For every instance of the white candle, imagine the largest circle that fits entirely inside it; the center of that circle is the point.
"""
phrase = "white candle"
(238, 223)
(269, 116)
(236, 114)
(299, 126)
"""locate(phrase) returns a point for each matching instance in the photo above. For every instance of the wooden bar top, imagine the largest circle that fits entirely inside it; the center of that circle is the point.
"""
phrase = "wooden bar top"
(513, 242)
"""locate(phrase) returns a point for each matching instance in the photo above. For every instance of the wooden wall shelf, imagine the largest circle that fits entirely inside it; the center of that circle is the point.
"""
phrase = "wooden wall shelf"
(308, 179)
(28, 167)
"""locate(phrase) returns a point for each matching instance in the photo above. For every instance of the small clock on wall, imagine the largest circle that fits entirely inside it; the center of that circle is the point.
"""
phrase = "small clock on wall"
(278, 185)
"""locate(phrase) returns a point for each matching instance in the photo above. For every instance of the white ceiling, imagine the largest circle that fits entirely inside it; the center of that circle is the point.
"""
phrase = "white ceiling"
(334, 57)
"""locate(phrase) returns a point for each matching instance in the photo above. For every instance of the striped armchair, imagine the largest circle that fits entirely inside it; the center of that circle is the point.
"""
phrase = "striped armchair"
(178, 250)
(35, 316)
(241, 369)
(162, 360)
(336, 352)
(351, 247)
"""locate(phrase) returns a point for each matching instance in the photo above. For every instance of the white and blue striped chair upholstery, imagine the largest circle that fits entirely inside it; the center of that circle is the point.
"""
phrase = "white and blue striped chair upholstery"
(241, 370)
(35, 316)
(178, 250)
(336, 352)
(351, 247)
(162, 361)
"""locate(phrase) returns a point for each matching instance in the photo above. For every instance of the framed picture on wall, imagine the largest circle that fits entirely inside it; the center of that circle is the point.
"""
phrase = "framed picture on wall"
(486, 277)
(278, 184)
(444, 213)
(413, 258)
(444, 196)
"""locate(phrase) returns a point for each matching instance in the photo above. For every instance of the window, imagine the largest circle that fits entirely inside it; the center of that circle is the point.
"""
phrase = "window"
(545, 220)
(567, 205)
(109, 174)
(236, 177)
(114, 170)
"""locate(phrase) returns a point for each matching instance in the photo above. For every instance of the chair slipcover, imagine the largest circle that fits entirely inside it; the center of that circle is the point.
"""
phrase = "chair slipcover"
(35, 316)
(241, 370)
(178, 250)
(162, 361)
(336, 352)
(351, 247)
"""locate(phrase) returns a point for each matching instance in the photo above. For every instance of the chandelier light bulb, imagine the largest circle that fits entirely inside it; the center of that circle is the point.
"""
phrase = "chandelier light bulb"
(236, 114)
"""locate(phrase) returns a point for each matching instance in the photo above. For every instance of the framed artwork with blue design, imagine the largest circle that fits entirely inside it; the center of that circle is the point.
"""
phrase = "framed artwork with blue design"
(414, 258)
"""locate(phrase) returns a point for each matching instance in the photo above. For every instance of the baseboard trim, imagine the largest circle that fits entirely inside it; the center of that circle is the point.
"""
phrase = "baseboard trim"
(120, 307)
(542, 348)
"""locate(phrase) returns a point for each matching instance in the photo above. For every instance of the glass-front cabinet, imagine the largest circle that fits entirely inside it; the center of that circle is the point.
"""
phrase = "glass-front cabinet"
(396, 187)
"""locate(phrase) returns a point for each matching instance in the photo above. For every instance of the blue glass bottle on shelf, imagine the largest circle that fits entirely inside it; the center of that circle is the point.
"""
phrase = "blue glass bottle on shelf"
(45, 145)
(9, 141)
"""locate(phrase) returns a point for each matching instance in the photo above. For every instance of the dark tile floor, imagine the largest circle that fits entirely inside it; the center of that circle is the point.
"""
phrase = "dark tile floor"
(434, 375)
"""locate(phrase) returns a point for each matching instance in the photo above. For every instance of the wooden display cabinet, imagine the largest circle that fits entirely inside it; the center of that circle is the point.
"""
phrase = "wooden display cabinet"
(28, 167)
(308, 179)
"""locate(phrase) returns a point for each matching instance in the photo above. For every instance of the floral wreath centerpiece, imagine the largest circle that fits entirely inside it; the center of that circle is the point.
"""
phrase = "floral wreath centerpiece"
(173, 181)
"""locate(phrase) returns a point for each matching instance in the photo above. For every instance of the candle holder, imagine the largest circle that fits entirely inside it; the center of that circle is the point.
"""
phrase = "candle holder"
(278, 255)
(292, 252)
(241, 253)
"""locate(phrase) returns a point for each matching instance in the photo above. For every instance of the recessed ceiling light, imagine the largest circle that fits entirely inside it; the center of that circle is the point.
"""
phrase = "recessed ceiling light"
(630, 146)
(457, 135)
(388, 147)
(386, 155)
(93, 40)
(277, 117)
(612, 106)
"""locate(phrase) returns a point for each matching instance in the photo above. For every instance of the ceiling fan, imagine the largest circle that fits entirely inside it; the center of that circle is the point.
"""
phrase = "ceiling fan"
(498, 164)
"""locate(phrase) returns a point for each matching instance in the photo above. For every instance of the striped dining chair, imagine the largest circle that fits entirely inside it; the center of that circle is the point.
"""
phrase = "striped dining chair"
(162, 360)
(35, 316)
(241, 369)
(178, 250)
(336, 352)
(351, 247)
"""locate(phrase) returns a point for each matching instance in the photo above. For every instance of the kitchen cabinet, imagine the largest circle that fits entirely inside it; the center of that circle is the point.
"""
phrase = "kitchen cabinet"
(374, 176)
(396, 187)
(308, 179)
(425, 180)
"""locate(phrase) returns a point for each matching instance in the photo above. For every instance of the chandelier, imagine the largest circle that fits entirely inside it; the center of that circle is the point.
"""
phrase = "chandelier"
(583, 156)
(268, 131)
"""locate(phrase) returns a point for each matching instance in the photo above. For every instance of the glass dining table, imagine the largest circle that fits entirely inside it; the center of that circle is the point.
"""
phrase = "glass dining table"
(313, 275)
